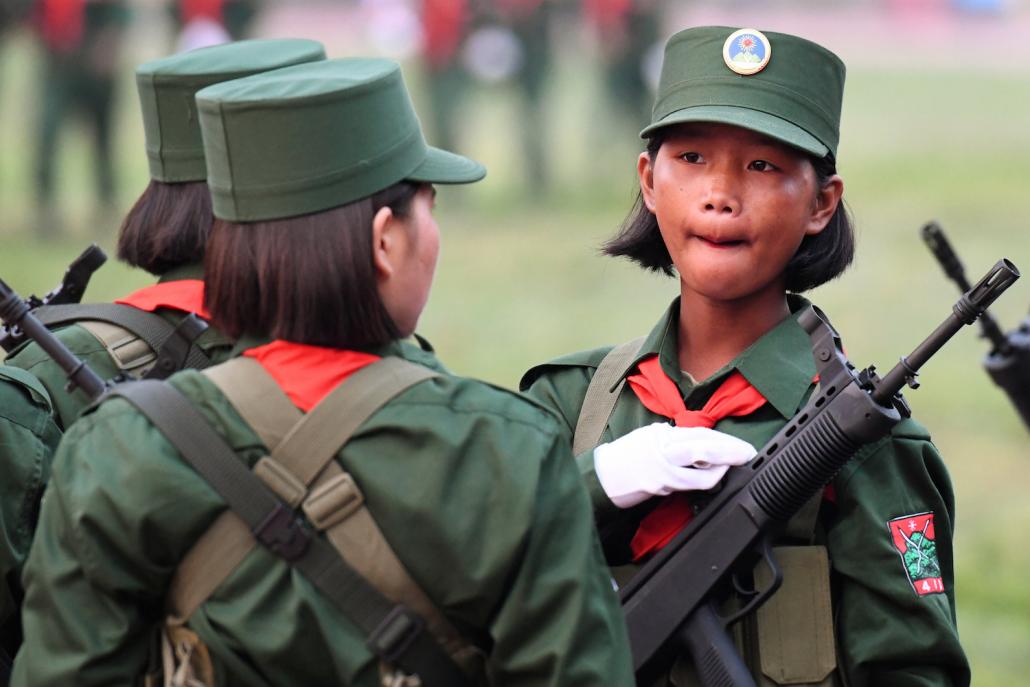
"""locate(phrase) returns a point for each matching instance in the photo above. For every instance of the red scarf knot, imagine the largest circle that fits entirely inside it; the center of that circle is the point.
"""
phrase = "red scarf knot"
(659, 394)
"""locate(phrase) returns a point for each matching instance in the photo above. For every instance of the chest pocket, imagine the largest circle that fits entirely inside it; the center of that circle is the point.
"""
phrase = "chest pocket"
(789, 640)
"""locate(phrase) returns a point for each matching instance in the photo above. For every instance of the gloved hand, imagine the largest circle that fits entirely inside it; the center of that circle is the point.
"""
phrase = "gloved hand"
(659, 459)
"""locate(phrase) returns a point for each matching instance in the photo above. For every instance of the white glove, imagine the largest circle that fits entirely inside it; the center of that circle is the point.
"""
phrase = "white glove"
(659, 459)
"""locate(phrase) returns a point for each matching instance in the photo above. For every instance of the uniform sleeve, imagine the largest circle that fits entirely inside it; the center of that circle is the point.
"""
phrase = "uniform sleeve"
(561, 623)
(890, 544)
(101, 559)
(28, 437)
(561, 390)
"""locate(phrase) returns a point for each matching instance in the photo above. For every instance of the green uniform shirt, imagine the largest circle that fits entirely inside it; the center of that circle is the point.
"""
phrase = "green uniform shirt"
(28, 437)
(34, 407)
(887, 634)
(29, 356)
(471, 485)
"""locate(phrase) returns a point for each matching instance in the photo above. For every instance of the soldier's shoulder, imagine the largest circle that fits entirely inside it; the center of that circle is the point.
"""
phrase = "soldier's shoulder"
(587, 361)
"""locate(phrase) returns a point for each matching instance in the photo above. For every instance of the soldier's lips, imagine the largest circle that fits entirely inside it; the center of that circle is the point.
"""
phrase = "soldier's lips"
(721, 243)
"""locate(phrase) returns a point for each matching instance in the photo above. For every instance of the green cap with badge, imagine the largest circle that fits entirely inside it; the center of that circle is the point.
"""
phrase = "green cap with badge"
(783, 86)
(167, 88)
(305, 139)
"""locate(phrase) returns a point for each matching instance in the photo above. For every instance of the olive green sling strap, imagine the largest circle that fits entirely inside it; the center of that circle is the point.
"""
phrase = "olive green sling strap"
(395, 634)
(602, 394)
(302, 471)
(141, 343)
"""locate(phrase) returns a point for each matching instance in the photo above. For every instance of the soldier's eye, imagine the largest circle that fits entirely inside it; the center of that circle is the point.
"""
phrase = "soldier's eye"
(762, 166)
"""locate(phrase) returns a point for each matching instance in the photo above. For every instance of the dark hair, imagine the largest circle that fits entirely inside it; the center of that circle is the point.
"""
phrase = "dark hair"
(167, 227)
(820, 257)
(307, 279)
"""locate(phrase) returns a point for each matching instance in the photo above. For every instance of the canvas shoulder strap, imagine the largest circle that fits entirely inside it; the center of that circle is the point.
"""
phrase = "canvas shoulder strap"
(134, 338)
(394, 633)
(600, 398)
(301, 470)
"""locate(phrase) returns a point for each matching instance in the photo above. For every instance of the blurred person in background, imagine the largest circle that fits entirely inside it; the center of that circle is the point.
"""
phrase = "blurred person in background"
(200, 23)
(491, 42)
(82, 43)
(627, 32)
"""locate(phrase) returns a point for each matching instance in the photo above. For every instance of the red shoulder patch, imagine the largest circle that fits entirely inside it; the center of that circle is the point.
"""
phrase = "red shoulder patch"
(913, 537)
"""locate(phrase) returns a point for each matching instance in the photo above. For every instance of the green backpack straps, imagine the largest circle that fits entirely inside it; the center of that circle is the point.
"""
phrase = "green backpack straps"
(173, 346)
(395, 634)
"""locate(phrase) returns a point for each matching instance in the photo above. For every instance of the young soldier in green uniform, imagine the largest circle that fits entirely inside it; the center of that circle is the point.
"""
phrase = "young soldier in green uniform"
(165, 234)
(166, 230)
(740, 199)
(452, 497)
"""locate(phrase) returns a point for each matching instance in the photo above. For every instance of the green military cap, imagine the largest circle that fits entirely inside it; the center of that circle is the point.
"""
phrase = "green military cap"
(785, 87)
(167, 88)
(308, 138)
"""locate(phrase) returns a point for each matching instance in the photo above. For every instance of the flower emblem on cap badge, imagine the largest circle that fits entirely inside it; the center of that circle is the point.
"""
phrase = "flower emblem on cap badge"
(746, 51)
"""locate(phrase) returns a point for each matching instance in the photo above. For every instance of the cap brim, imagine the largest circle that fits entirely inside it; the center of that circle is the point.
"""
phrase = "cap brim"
(767, 124)
(441, 167)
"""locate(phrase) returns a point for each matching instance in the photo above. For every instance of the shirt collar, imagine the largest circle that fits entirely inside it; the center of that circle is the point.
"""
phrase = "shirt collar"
(780, 364)
(192, 271)
(416, 350)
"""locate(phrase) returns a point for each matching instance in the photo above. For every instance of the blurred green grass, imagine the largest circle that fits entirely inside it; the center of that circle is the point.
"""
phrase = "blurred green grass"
(521, 280)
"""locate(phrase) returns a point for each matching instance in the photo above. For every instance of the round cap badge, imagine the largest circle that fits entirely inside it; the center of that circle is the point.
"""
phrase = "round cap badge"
(746, 51)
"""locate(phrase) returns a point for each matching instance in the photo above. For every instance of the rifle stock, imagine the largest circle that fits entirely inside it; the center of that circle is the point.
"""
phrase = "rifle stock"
(669, 603)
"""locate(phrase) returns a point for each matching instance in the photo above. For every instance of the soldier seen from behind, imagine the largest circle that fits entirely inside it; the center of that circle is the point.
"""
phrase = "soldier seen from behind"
(400, 525)
(165, 234)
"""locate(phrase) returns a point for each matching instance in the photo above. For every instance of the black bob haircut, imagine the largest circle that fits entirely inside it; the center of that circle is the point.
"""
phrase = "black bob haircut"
(167, 228)
(819, 259)
(309, 279)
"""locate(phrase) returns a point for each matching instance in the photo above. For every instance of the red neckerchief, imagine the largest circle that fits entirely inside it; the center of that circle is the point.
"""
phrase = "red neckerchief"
(659, 394)
(186, 295)
(308, 373)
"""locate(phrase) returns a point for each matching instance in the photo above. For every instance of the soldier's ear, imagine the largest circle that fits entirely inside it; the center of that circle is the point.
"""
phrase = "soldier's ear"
(384, 243)
(645, 170)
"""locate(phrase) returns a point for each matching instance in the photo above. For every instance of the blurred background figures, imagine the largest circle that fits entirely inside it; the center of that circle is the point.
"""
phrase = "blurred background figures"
(201, 23)
(81, 41)
(491, 42)
(628, 34)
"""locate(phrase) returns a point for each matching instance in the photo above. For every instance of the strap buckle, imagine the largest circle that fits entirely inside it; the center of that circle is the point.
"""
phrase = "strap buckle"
(284, 533)
(395, 634)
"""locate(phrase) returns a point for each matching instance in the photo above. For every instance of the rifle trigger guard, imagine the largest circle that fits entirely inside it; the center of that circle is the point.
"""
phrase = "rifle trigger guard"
(759, 596)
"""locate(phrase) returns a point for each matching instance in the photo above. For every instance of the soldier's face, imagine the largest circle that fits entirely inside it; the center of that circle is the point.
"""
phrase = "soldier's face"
(732, 206)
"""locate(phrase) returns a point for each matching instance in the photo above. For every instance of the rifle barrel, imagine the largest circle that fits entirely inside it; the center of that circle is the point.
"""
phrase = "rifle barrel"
(941, 248)
(15, 313)
(971, 305)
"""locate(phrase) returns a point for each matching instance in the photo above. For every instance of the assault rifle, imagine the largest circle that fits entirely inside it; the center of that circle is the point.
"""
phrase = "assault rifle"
(17, 315)
(672, 602)
(1008, 361)
(70, 290)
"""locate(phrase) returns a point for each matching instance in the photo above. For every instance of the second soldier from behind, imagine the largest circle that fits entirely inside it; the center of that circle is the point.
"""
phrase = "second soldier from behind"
(165, 234)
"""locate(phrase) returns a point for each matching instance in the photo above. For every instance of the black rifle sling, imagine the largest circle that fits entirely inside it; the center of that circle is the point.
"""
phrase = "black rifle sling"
(395, 634)
(151, 327)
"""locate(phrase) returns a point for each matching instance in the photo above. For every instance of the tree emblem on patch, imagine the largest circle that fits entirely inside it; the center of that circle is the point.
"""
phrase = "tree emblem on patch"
(913, 537)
